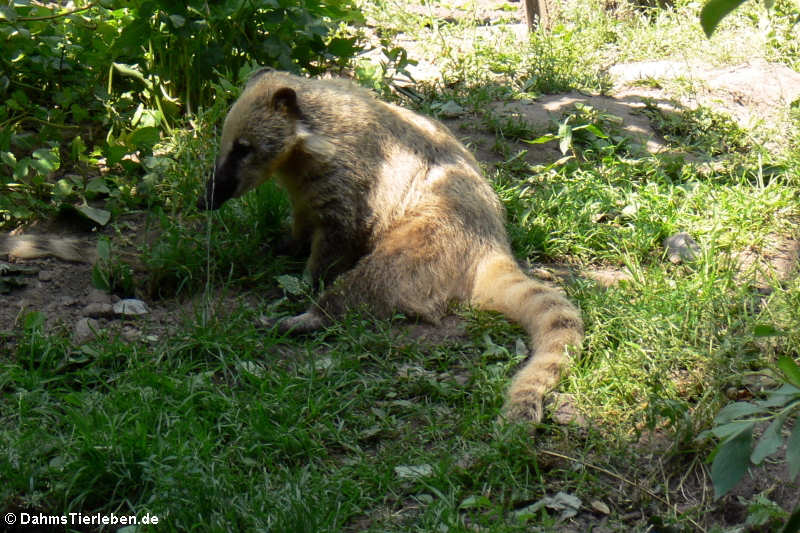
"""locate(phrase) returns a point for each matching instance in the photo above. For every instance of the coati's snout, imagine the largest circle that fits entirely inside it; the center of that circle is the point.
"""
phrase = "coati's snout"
(221, 185)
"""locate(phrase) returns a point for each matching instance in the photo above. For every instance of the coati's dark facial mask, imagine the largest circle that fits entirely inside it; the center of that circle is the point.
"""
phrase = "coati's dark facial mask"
(224, 182)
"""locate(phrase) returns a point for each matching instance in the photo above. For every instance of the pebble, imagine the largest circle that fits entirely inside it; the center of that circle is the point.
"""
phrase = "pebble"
(681, 247)
(130, 307)
(85, 330)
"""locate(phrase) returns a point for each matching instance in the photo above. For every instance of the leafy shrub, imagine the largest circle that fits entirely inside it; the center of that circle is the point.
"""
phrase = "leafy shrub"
(97, 84)
(734, 428)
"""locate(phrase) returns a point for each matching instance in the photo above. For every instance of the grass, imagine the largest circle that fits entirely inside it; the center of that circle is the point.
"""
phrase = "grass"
(223, 425)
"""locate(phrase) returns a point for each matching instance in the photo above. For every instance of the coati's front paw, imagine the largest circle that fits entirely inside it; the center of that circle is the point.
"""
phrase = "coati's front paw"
(524, 408)
(302, 323)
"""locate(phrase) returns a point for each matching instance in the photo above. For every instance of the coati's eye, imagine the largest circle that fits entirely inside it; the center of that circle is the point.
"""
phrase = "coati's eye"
(241, 147)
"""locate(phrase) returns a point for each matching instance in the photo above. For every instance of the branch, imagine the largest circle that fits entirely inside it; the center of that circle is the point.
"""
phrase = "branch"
(50, 17)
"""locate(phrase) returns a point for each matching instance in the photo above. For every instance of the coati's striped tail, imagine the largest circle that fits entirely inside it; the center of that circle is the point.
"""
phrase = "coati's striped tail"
(552, 322)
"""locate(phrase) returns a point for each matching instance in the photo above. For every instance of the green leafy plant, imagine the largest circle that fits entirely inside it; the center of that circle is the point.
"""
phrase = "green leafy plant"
(734, 425)
(714, 11)
(98, 85)
(585, 129)
(111, 274)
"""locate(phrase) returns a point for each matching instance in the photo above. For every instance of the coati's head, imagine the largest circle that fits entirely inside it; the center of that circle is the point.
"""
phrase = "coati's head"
(260, 132)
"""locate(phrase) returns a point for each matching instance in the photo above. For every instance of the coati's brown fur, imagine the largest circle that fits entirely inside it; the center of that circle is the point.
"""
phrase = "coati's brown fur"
(397, 214)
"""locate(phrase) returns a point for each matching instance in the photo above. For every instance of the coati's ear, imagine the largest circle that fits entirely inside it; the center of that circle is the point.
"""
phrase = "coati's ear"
(285, 99)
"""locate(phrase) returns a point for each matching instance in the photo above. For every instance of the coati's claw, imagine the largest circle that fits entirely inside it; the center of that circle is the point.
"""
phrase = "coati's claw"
(527, 410)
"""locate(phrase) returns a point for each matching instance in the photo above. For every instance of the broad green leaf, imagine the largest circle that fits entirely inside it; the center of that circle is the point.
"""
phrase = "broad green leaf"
(731, 462)
(736, 410)
(63, 189)
(566, 139)
(725, 431)
(114, 153)
(714, 11)
(101, 216)
(137, 115)
(45, 160)
(793, 450)
(34, 320)
(292, 285)
(790, 370)
(21, 170)
(474, 502)
(775, 400)
(48, 158)
(594, 129)
(793, 524)
(145, 137)
(99, 278)
(543, 139)
(769, 442)
(97, 186)
(766, 330)
(41, 166)
(8, 158)
(104, 249)
(342, 47)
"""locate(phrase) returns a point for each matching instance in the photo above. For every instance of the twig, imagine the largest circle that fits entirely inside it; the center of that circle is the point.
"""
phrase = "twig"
(620, 478)
(53, 16)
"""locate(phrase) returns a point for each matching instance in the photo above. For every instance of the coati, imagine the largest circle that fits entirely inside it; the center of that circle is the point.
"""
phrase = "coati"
(396, 212)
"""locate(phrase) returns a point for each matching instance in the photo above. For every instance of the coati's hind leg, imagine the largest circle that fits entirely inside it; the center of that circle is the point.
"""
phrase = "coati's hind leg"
(415, 269)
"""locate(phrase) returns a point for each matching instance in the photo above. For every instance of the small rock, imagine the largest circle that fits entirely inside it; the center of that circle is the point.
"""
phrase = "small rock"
(450, 109)
(85, 330)
(68, 301)
(46, 275)
(130, 307)
(96, 296)
(461, 379)
(681, 247)
(98, 310)
(130, 334)
(413, 472)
